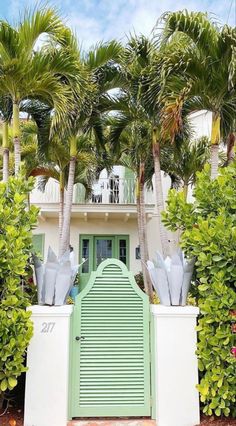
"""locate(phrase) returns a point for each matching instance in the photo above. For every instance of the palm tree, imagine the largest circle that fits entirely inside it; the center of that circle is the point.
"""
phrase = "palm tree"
(57, 170)
(184, 159)
(47, 158)
(5, 114)
(132, 106)
(100, 64)
(200, 72)
(132, 152)
(74, 141)
(29, 73)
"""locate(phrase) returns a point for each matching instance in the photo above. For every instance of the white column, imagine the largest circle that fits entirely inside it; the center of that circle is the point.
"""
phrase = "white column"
(176, 368)
(46, 394)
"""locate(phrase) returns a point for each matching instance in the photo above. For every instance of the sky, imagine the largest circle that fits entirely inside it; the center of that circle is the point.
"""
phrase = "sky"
(102, 20)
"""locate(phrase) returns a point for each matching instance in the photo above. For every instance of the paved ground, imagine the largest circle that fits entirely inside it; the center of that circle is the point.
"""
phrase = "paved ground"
(118, 422)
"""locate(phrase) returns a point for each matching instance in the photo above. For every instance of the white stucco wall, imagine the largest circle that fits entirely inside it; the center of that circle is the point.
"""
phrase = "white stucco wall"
(93, 227)
(176, 365)
(100, 227)
(201, 123)
(48, 357)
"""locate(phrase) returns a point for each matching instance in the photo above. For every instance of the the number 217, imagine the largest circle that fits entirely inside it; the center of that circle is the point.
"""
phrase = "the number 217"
(47, 327)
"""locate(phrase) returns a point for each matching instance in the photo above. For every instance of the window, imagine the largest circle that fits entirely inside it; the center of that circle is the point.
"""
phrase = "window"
(85, 255)
(123, 251)
(104, 249)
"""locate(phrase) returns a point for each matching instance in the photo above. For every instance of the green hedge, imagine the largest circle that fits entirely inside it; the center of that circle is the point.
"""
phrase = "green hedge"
(16, 223)
(209, 233)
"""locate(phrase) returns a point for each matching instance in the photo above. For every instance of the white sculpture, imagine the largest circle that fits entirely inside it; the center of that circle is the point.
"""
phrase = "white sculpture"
(55, 278)
(171, 278)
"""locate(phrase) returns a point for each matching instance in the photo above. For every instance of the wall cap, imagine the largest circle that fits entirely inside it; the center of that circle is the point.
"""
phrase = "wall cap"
(51, 311)
(174, 311)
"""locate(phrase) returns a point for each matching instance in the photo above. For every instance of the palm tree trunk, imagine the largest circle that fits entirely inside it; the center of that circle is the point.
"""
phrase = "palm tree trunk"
(185, 190)
(215, 140)
(159, 193)
(143, 239)
(144, 243)
(230, 148)
(143, 222)
(16, 136)
(61, 206)
(65, 238)
(214, 161)
(5, 145)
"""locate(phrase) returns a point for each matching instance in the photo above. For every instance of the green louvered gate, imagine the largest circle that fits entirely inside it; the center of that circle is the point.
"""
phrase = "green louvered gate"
(110, 366)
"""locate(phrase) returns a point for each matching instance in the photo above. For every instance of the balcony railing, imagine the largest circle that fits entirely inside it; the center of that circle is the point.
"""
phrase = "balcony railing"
(112, 190)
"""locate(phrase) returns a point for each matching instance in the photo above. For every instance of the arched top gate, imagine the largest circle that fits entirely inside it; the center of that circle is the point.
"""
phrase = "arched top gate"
(110, 368)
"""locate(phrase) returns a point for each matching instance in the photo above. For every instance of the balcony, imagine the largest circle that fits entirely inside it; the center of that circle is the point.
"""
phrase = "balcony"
(105, 191)
(114, 195)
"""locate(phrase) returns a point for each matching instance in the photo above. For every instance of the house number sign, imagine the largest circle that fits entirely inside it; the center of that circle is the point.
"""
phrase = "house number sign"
(47, 327)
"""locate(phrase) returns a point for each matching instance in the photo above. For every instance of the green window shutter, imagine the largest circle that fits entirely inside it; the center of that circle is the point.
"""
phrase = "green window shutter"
(79, 193)
(129, 190)
(38, 243)
(84, 271)
(110, 364)
(122, 249)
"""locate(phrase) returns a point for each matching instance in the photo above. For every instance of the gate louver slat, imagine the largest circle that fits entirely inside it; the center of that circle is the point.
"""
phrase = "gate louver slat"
(111, 362)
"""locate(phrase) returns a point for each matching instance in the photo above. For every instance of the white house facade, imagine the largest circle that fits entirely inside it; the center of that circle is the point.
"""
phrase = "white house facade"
(105, 225)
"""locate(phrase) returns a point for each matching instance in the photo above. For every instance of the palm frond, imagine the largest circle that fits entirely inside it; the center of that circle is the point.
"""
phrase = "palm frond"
(9, 42)
(39, 21)
(196, 25)
(102, 54)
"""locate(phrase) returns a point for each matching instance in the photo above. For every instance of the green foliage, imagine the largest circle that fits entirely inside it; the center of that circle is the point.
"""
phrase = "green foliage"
(193, 45)
(15, 245)
(209, 233)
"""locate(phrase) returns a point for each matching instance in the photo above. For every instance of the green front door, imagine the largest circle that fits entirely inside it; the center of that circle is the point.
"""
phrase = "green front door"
(96, 248)
(110, 364)
(104, 248)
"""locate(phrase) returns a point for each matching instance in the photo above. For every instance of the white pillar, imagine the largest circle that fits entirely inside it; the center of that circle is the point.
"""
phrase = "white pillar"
(176, 368)
(46, 394)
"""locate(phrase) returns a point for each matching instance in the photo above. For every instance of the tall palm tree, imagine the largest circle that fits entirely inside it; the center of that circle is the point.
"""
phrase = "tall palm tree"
(45, 162)
(47, 157)
(27, 72)
(133, 107)
(100, 64)
(132, 152)
(78, 144)
(200, 72)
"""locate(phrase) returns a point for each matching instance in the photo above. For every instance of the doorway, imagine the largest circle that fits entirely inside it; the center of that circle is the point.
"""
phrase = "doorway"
(96, 248)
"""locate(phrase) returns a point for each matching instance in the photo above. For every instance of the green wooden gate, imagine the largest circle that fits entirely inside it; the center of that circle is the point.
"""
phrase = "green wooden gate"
(110, 365)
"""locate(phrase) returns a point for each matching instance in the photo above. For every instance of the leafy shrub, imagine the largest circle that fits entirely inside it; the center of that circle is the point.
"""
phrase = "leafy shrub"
(16, 223)
(209, 233)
